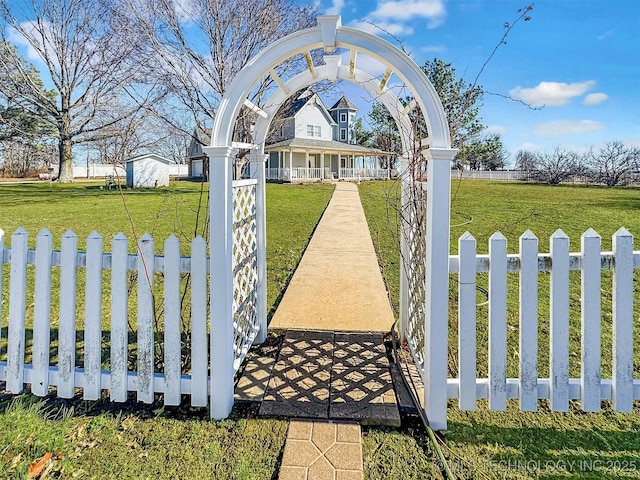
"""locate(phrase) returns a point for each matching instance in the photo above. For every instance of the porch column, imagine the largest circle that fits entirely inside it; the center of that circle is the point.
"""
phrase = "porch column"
(221, 279)
(306, 162)
(290, 164)
(437, 285)
(321, 165)
(258, 161)
(339, 165)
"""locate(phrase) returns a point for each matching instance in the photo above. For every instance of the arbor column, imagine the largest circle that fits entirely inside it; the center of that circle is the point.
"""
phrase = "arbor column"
(437, 286)
(258, 161)
(221, 279)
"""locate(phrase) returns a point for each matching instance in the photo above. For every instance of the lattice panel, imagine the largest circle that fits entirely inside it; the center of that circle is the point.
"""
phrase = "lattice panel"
(415, 237)
(245, 269)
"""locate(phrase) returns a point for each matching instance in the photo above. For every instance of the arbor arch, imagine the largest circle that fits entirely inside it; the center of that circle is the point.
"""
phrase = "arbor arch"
(328, 35)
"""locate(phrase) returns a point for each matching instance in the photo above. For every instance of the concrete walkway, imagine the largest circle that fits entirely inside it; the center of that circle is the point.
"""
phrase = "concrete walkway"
(338, 285)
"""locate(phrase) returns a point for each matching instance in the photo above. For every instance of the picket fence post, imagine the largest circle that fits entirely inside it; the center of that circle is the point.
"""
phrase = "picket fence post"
(67, 331)
(467, 321)
(145, 319)
(42, 314)
(17, 304)
(498, 322)
(199, 354)
(590, 280)
(622, 381)
(119, 329)
(559, 323)
(93, 318)
(528, 335)
(172, 342)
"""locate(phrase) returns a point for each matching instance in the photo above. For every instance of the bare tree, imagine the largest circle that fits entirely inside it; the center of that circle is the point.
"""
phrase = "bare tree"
(198, 47)
(612, 163)
(556, 166)
(88, 61)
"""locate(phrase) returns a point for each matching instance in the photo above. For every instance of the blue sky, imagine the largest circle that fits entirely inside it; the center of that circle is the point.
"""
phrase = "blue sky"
(577, 62)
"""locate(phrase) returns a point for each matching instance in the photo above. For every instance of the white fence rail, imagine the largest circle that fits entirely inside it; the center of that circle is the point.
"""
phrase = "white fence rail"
(93, 367)
(70, 370)
(590, 388)
(364, 174)
(529, 386)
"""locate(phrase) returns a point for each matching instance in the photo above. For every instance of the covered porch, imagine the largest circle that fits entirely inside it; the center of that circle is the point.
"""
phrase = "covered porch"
(302, 160)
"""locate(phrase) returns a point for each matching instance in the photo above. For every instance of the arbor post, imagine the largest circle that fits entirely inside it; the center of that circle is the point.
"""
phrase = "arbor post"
(437, 286)
(221, 279)
(258, 161)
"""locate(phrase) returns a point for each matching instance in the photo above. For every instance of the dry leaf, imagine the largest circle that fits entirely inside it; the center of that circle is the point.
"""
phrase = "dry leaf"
(36, 468)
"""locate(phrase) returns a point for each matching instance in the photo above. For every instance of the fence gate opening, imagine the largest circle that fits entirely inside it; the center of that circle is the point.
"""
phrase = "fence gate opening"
(334, 42)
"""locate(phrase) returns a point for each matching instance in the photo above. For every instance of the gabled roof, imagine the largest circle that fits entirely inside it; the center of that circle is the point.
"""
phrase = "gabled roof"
(297, 101)
(344, 104)
(152, 156)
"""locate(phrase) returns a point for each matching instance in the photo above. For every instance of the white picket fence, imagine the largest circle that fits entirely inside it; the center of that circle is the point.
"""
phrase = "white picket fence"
(590, 388)
(55, 274)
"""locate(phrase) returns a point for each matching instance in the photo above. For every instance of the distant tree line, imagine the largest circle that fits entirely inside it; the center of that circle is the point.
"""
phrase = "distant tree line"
(612, 164)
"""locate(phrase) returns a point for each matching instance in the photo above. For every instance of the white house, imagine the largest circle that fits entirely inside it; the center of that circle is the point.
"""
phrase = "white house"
(310, 142)
(148, 171)
(307, 142)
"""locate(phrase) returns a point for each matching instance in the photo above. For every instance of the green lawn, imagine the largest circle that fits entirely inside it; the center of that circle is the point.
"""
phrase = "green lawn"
(102, 440)
(514, 444)
(131, 441)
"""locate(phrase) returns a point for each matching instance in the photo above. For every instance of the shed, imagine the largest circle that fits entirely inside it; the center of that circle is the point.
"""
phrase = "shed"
(148, 171)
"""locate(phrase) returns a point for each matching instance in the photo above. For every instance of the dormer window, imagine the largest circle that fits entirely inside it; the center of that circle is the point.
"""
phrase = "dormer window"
(314, 131)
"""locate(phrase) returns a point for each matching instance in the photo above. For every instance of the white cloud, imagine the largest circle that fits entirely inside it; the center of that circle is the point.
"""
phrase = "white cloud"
(405, 10)
(529, 147)
(495, 130)
(21, 42)
(562, 128)
(335, 8)
(380, 27)
(595, 98)
(434, 49)
(551, 93)
(393, 16)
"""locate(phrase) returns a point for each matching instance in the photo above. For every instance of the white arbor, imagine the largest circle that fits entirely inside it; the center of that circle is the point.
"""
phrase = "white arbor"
(330, 36)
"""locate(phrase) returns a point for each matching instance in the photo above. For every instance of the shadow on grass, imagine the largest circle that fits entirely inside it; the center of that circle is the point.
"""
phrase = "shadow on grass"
(547, 444)
(58, 408)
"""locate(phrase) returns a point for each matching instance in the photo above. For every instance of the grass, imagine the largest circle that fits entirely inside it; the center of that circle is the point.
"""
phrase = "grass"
(102, 440)
(93, 441)
(514, 444)
(133, 441)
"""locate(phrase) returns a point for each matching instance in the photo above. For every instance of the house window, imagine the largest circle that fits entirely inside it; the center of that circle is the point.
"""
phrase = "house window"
(343, 117)
(314, 131)
(343, 134)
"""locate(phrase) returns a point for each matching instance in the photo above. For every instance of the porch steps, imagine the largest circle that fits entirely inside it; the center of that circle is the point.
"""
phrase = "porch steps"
(323, 375)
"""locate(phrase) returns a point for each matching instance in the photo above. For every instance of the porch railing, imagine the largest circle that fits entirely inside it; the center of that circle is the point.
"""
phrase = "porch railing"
(301, 173)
